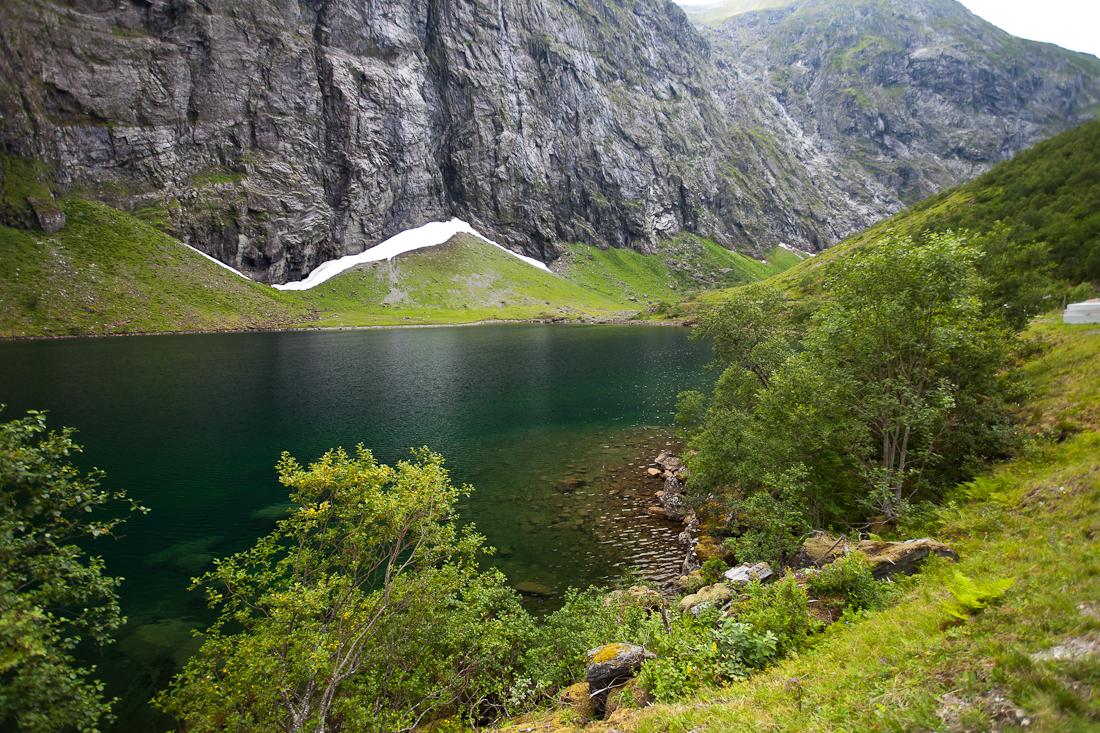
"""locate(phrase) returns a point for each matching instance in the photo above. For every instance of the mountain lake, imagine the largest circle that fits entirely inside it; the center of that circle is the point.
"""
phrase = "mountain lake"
(192, 426)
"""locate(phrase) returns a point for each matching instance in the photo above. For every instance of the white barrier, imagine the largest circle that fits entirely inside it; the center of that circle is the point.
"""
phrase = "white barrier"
(1082, 313)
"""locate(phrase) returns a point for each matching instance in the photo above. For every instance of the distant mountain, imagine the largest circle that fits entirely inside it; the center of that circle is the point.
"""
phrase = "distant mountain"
(279, 135)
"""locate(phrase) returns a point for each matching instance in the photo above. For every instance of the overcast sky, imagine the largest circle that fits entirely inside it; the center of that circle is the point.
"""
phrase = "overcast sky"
(1072, 24)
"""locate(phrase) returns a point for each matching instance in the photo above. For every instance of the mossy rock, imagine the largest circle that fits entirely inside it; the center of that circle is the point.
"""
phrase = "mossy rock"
(576, 698)
(710, 548)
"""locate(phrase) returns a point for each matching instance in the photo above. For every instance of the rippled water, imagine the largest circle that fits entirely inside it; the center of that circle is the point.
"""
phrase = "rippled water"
(192, 425)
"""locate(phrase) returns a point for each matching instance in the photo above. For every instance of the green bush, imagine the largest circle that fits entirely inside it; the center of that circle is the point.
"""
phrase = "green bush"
(780, 609)
(849, 577)
(555, 656)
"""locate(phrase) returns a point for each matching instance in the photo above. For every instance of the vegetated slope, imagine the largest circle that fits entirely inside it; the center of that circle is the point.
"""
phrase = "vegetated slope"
(106, 272)
(943, 657)
(277, 136)
(1049, 194)
(461, 281)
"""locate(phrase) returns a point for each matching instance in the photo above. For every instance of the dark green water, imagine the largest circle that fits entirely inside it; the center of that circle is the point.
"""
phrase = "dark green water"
(192, 426)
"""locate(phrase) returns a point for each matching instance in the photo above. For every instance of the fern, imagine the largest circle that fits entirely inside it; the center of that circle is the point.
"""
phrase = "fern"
(970, 597)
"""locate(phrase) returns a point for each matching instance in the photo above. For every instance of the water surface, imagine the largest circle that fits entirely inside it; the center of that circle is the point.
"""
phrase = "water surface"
(192, 426)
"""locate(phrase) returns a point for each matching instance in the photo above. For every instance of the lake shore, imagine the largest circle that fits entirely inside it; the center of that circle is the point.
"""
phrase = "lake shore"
(288, 329)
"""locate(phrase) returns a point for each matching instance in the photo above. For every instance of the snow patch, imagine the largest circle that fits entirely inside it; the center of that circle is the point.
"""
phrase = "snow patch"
(429, 235)
(798, 252)
(218, 262)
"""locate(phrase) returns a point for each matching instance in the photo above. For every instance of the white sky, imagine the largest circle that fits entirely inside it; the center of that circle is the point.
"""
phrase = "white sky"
(1072, 24)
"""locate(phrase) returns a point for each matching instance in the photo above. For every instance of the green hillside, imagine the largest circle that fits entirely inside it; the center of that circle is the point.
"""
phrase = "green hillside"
(107, 272)
(110, 272)
(1035, 215)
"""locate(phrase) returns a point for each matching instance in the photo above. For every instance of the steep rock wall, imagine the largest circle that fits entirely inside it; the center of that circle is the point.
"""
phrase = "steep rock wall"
(279, 134)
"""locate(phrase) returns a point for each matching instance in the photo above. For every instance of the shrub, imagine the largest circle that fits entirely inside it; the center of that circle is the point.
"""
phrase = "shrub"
(849, 577)
(779, 609)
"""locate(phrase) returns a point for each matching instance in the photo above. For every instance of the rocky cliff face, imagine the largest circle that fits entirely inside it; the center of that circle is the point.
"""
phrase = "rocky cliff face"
(278, 134)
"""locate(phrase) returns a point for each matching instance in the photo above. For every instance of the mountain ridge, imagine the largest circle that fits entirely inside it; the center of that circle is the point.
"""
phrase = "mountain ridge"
(278, 137)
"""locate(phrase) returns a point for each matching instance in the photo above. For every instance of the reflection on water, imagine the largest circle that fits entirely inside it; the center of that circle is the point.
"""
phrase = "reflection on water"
(544, 421)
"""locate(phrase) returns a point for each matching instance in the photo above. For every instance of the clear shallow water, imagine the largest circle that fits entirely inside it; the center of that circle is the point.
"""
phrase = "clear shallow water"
(192, 426)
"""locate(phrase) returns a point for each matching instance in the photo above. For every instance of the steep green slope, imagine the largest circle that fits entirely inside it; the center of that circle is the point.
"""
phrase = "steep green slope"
(107, 272)
(1049, 194)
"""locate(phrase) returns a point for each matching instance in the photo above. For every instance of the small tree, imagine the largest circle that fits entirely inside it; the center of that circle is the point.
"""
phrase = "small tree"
(333, 621)
(908, 327)
(51, 594)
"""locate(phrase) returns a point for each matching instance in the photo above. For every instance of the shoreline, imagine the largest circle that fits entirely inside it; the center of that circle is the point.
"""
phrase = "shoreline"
(288, 329)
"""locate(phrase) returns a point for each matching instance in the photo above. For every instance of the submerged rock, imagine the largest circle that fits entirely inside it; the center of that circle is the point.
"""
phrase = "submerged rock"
(535, 590)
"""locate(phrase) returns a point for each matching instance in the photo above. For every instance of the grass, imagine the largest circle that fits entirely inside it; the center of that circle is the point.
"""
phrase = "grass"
(1034, 523)
(108, 272)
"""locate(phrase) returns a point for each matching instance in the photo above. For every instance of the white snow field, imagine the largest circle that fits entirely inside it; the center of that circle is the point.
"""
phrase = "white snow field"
(429, 235)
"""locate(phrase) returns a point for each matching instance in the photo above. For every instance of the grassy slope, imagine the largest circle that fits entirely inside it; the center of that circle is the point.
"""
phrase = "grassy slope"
(1049, 193)
(107, 272)
(911, 667)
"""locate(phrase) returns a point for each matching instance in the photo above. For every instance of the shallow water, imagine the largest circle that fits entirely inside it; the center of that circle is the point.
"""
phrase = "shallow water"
(192, 425)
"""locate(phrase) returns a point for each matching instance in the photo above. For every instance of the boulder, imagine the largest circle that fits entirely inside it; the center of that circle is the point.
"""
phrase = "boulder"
(709, 548)
(638, 595)
(612, 663)
(673, 486)
(673, 505)
(50, 218)
(902, 558)
(691, 582)
(668, 461)
(718, 594)
(653, 471)
(536, 590)
(819, 550)
(570, 485)
(657, 511)
(747, 573)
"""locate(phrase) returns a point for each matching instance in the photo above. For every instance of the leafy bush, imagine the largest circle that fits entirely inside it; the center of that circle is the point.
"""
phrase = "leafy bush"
(779, 609)
(849, 577)
(555, 654)
(686, 658)
(740, 648)
(364, 610)
(52, 595)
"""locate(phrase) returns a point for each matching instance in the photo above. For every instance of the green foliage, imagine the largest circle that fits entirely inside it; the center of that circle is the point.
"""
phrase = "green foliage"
(849, 577)
(780, 609)
(764, 528)
(891, 392)
(556, 652)
(51, 594)
(364, 609)
(969, 597)
(712, 570)
(741, 649)
(686, 658)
